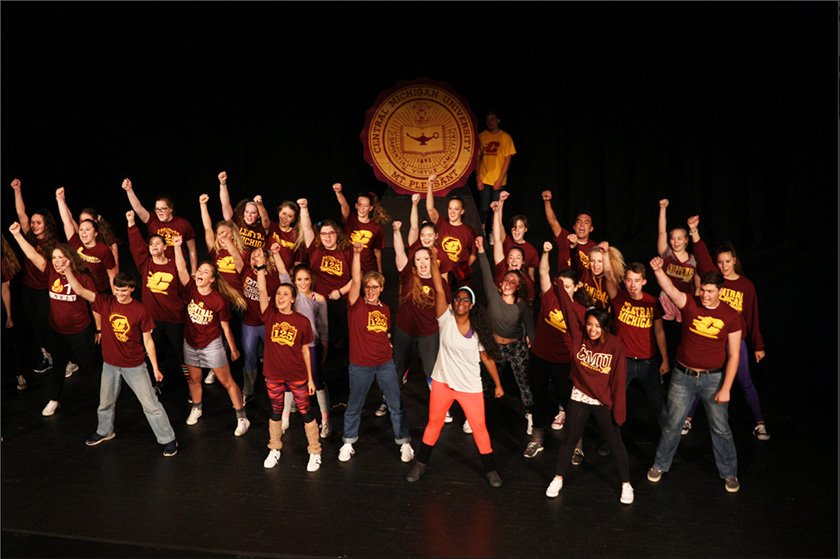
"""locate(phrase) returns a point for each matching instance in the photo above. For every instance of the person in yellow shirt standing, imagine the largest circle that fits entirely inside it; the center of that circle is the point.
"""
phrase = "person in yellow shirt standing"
(496, 149)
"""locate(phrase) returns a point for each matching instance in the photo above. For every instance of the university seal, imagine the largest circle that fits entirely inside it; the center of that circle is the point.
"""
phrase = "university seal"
(417, 129)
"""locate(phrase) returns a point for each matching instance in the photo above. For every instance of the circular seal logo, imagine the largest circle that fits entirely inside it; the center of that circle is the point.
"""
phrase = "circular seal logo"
(418, 129)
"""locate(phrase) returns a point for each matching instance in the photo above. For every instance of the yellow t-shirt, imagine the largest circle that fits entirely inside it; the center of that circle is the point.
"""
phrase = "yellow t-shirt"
(494, 149)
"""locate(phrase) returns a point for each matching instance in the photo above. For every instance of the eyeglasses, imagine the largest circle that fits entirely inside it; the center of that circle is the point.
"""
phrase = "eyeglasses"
(462, 300)
(328, 233)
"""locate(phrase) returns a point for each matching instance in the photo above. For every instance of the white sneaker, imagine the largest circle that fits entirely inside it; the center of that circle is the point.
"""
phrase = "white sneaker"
(381, 410)
(626, 493)
(448, 418)
(242, 426)
(326, 429)
(195, 413)
(406, 453)
(559, 420)
(210, 378)
(554, 487)
(346, 452)
(529, 417)
(70, 369)
(686, 427)
(467, 429)
(50, 408)
(314, 463)
(272, 459)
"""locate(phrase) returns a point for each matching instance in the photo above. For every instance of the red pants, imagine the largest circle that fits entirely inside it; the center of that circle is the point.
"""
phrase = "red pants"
(441, 399)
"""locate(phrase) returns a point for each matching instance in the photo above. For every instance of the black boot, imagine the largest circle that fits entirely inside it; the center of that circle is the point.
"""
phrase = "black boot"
(489, 462)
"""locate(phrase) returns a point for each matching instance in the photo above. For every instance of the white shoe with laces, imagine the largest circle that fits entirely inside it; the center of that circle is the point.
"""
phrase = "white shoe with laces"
(70, 369)
(382, 410)
(346, 452)
(626, 493)
(195, 414)
(467, 429)
(272, 459)
(314, 463)
(210, 378)
(50, 408)
(406, 453)
(554, 487)
(242, 426)
(448, 418)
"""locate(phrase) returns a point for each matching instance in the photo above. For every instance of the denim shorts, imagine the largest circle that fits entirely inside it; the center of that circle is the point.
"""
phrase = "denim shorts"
(210, 357)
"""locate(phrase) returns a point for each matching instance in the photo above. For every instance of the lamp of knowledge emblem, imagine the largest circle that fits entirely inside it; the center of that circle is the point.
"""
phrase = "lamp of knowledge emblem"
(418, 129)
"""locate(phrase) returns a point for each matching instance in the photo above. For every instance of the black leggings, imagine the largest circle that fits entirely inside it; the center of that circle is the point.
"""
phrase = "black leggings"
(542, 375)
(577, 414)
(63, 347)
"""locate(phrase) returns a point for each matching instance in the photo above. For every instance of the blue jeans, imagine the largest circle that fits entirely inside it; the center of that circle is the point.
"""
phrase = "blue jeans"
(360, 380)
(251, 338)
(488, 195)
(646, 371)
(682, 391)
(137, 379)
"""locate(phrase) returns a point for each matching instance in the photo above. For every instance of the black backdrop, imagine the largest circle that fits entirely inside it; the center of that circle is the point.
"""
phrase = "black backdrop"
(728, 109)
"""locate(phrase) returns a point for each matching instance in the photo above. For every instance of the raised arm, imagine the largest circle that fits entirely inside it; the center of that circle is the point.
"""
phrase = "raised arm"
(259, 261)
(550, 217)
(306, 222)
(207, 222)
(28, 250)
(138, 208)
(662, 229)
(20, 207)
(264, 217)
(437, 281)
(278, 261)
(414, 220)
(675, 295)
(67, 220)
(356, 278)
(342, 201)
(400, 257)
(504, 195)
(224, 196)
(430, 201)
(139, 249)
(77, 286)
(545, 273)
(180, 263)
(498, 249)
(491, 290)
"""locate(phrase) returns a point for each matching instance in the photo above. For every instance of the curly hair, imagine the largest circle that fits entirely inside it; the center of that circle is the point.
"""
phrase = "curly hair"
(416, 294)
(377, 212)
(342, 241)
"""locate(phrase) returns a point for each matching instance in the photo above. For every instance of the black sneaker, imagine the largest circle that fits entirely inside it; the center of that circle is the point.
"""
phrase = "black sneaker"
(493, 478)
(96, 438)
(170, 448)
(42, 367)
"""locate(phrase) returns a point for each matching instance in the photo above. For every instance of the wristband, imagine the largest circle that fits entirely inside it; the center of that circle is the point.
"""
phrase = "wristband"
(260, 268)
(99, 331)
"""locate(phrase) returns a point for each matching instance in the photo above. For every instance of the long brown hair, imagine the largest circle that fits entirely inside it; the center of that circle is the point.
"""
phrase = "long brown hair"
(234, 298)
(417, 294)
(11, 264)
(296, 224)
(377, 212)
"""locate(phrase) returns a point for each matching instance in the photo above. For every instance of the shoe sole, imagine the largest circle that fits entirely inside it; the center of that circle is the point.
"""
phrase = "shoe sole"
(535, 454)
(654, 479)
(102, 440)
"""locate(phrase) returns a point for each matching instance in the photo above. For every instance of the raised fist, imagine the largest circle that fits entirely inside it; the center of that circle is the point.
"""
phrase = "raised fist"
(547, 246)
(546, 195)
(303, 203)
(656, 264)
(204, 198)
(14, 228)
(396, 224)
(223, 177)
(663, 203)
(126, 185)
(59, 193)
(258, 200)
(129, 216)
(415, 198)
(16, 184)
(337, 187)
(504, 195)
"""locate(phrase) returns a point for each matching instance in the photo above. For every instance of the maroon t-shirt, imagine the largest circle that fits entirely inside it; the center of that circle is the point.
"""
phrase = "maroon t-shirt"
(634, 323)
(501, 269)
(368, 326)
(596, 288)
(413, 318)
(69, 313)
(458, 244)
(704, 334)
(564, 252)
(122, 330)
(99, 260)
(32, 276)
(286, 337)
(332, 268)
(205, 314)
(287, 241)
(251, 291)
(226, 266)
(253, 236)
(371, 236)
(681, 273)
(161, 286)
(169, 230)
(532, 257)
(551, 333)
(580, 255)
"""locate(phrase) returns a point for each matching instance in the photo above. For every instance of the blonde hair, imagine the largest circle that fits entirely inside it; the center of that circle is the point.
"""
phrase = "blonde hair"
(234, 298)
(234, 233)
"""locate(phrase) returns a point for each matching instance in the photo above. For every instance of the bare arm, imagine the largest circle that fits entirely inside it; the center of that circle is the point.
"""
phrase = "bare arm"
(193, 254)
(224, 196)
(306, 222)
(261, 284)
(28, 250)
(264, 218)
(430, 201)
(437, 282)
(138, 208)
(7, 303)
(414, 220)
(83, 292)
(490, 365)
(662, 229)
(498, 249)
(503, 173)
(207, 222)
(342, 201)
(550, 217)
(675, 295)
(20, 207)
(733, 346)
(70, 226)
(545, 273)
(234, 353)
(662, 344)
(180, 263)
(356, 278)
(400, 257)
(149, 343)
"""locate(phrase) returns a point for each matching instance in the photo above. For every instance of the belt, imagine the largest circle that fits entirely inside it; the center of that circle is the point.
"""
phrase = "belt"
(641, 358)
(695, 372)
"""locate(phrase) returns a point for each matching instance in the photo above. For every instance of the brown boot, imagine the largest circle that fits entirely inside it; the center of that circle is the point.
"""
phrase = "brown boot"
(275, 434)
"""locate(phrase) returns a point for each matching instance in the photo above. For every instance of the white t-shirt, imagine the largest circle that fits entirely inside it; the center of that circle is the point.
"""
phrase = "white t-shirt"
(458, 363)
